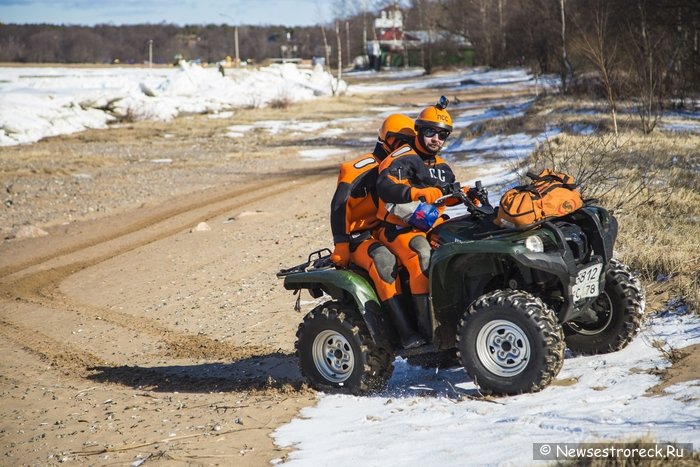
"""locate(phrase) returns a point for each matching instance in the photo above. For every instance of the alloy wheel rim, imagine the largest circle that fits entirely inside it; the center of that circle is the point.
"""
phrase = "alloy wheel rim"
(333, 356)
(503, 348)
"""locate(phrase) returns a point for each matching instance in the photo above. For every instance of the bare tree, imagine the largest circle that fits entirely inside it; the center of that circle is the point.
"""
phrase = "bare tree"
(621, 175)
(425, 52)
(593, 44)
(326, 47)
(568, 69)
(488, 43)
(363, 12)
(340, 53)
(46, 46)
(320, 13)
(648, 76)
(348, 59)
(451, 18)
(341, 11)
(502, 28)
(12, 48)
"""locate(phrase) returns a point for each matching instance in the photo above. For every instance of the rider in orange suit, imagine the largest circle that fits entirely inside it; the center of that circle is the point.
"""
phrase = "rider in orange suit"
(354, 217)
(415, 172)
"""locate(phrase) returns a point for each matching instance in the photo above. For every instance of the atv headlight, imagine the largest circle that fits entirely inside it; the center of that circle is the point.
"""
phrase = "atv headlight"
(538, 243)
(535, 244)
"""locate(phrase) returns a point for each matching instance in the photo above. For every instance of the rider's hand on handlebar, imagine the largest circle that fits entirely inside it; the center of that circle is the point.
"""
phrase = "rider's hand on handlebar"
(472, 194)
(341, 254)
(429, 195)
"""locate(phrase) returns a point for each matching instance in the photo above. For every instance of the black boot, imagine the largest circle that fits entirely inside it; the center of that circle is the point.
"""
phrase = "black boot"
(409, 337)
(422, 306)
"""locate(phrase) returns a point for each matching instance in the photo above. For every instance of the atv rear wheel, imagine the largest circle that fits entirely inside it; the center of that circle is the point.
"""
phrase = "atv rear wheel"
(336, 352)
(509, 342)
(619, 311)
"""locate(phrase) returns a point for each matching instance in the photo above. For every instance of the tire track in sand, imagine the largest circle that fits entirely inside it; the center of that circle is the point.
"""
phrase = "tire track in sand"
(163, 213)
(67, 358)
(42, 287)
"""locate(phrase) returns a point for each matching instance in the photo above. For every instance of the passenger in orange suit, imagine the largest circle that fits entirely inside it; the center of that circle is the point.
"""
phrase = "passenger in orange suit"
(415, 172)
(354, 218)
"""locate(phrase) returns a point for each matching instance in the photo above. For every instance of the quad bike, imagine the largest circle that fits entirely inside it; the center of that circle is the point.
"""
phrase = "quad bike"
(507, 301)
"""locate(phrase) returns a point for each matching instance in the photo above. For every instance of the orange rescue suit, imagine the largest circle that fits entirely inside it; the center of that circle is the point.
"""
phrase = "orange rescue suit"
(354, 216)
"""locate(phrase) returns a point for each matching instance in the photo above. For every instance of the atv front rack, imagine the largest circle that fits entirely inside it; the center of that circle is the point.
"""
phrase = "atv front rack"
(319, 259)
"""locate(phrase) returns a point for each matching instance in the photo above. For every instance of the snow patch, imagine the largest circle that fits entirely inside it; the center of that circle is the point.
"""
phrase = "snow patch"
(419, 418)
(39, 102)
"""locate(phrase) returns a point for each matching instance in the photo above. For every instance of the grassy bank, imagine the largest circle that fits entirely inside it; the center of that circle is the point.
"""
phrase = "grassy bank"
(650, 182)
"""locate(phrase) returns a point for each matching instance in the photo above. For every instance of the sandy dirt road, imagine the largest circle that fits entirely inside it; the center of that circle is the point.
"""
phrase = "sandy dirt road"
(128, 334)
(136, 330)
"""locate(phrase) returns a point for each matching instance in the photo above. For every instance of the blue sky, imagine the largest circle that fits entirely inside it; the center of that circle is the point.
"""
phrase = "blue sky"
(91, 12)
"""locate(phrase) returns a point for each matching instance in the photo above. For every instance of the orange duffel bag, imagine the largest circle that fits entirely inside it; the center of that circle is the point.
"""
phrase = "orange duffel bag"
(551, 194)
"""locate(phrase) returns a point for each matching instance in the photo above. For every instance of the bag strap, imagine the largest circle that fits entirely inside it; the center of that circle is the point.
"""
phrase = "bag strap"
(545, 178)
(531, 189)
(550, 178)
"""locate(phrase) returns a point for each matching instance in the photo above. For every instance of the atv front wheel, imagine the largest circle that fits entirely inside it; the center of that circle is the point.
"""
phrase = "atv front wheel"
(619, 311)
(509, 342)
(336, 352)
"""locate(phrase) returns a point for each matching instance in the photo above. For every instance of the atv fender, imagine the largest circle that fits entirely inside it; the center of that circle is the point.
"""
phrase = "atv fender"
(460, 273)
(345, 286)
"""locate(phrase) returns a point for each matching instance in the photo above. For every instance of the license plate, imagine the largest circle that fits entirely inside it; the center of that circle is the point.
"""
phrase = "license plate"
(588, 282)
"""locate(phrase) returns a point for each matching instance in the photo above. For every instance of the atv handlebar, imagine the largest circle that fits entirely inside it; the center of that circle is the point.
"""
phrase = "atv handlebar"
(478, 192)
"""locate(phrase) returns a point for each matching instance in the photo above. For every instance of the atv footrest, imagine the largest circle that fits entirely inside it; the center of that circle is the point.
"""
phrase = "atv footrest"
(425, 348)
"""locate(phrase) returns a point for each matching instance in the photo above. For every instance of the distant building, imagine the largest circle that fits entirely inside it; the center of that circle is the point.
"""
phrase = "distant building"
(390, 47)
(395, 47)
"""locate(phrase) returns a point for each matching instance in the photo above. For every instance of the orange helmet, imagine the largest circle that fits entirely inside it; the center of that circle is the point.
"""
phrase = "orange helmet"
(435, 116)
(398, 125)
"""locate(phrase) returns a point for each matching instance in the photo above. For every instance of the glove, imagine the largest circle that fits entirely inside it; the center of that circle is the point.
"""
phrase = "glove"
(430, 194)
(341, 254)
(472, 194)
